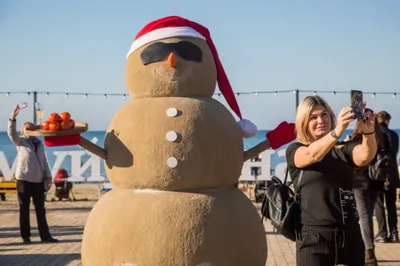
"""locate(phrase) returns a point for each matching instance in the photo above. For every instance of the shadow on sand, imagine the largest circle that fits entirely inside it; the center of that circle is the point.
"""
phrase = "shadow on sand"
(38, 259)
(388, 261)
(38, 242)
(49, 209)
(55, 231)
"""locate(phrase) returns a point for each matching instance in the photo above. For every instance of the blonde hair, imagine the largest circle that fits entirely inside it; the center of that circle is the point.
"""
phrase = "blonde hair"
(303, 114)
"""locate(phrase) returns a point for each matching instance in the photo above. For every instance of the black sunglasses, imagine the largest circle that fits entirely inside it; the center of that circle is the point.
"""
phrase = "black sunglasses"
(159, 51)
(367, 110)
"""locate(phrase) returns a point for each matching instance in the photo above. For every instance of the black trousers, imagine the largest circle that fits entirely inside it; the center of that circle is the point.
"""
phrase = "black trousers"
(365, 200)
(387, 197)
(26, 191)
(329, 246)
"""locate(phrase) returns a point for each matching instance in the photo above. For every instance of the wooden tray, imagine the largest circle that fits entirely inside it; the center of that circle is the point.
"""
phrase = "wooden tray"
(36, 131)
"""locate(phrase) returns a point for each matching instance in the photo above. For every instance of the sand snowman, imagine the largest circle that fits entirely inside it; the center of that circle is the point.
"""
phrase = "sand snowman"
(173, 155)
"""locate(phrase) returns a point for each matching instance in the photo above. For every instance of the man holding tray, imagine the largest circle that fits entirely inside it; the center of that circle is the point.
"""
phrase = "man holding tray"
(33, 179)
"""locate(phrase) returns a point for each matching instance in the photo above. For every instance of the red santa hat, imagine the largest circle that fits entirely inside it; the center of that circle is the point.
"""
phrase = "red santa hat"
(174, 26)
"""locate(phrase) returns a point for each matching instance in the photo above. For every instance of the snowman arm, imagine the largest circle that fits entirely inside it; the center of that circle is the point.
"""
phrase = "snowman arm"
(259, 148)
(93, 148)
(281, 135)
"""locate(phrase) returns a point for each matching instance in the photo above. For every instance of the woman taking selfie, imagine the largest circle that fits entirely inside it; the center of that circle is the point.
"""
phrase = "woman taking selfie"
(330, 233)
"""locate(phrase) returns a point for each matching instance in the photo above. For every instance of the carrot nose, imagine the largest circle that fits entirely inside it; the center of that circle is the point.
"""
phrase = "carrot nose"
(172, 60)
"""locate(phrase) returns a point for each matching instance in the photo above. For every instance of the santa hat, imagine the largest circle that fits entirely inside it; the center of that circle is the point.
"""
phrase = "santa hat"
(174, 26)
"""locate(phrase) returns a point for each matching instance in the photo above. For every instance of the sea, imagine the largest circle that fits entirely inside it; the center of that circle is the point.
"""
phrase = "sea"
(8, 151)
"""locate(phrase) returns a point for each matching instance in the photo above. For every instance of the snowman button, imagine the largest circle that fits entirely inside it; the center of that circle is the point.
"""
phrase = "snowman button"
(171, 136)
(172, 162)
(171, 112)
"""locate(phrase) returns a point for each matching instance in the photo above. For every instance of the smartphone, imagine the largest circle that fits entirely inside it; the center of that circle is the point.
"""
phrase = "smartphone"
(22, 105)
(356, 98)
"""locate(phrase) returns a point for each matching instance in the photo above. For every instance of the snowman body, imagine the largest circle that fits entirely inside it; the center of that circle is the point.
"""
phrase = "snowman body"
(174, 215)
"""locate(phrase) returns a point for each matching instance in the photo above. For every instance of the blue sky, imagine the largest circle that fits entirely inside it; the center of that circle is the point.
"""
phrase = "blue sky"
(80, 46)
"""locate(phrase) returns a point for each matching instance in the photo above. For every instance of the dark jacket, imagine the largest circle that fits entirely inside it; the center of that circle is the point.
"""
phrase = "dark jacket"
(393, 139)
(362, 180)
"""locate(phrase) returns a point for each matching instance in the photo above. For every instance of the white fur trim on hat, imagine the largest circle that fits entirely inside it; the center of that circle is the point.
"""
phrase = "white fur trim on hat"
(248, 128)
(163, 33)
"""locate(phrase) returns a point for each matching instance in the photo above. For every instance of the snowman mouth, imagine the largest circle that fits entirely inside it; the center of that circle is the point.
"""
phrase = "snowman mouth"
(172, 76)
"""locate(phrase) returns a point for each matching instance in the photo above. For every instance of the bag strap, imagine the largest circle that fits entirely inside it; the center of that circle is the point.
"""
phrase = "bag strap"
(299, 181)
(286, 175)
(300, 177)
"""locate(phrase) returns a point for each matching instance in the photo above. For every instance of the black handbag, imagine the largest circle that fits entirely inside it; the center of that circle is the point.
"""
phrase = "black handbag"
(282, 206)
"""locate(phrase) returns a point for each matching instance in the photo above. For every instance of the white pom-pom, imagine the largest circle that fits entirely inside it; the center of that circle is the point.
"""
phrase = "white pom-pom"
(248, 128)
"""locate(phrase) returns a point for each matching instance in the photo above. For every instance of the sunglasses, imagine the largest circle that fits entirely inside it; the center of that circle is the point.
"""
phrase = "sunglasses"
(159, 51)
(367, 110)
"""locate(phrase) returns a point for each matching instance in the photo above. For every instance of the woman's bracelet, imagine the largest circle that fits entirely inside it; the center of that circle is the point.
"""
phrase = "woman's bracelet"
(370, 133)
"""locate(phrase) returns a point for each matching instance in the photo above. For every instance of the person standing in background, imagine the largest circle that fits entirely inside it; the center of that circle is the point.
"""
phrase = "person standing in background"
(366, 192)
(31, 173)
(388, 194)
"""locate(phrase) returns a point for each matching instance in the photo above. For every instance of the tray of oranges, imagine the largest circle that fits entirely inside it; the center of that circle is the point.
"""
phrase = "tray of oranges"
(57, 125)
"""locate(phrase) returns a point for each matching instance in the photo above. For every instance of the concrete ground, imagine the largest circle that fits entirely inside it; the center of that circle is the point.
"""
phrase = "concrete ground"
(67, 221)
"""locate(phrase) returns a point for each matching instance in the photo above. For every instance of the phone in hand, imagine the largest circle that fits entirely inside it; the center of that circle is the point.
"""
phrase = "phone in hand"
(22, 105)
(356, 98)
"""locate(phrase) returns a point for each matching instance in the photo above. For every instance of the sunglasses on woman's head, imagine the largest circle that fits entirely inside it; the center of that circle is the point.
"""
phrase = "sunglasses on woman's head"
(367, 110)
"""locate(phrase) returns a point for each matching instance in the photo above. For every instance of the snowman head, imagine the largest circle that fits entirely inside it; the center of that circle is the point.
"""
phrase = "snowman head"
(176, 57)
